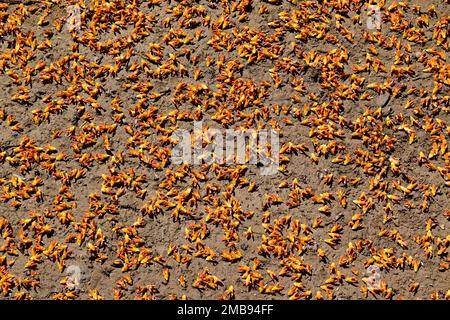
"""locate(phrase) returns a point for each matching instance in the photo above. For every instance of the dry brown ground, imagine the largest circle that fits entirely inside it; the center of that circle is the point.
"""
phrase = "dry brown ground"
(73, 217)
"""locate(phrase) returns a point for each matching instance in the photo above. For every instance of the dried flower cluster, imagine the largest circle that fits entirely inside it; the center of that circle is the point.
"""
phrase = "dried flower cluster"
(86, 116)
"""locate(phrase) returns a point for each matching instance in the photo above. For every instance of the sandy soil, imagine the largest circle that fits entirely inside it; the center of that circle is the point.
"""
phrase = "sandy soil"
(86, 181)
